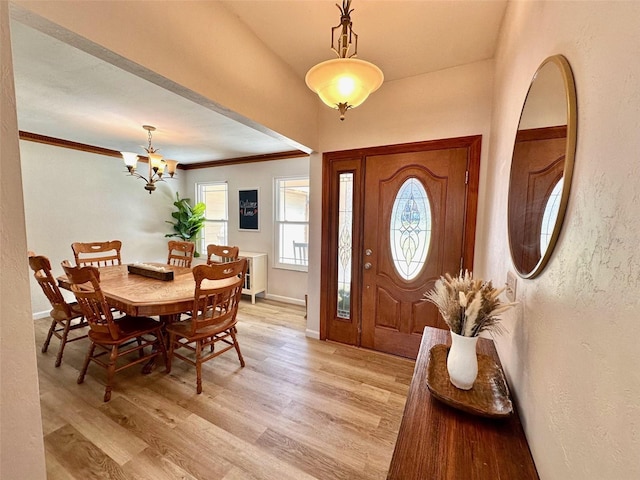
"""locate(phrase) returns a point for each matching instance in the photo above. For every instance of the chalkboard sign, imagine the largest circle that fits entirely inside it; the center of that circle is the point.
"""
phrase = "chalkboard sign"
(248, 209)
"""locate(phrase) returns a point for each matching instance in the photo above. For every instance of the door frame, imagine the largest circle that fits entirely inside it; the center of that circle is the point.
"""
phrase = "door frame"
(333, 163)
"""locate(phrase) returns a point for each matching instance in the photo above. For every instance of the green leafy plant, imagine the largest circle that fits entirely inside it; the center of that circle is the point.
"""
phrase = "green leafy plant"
(188, 220)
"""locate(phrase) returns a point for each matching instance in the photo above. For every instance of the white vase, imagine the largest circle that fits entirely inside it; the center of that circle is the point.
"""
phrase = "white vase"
(462, 361)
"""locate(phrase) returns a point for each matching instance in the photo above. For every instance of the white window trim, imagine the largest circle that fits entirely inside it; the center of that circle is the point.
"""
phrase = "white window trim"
(276, 227)
(200, 198)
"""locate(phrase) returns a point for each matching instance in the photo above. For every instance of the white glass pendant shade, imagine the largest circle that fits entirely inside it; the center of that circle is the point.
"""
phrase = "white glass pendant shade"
(130, 159)
(155, 160)
(344, 81)
(172, 165)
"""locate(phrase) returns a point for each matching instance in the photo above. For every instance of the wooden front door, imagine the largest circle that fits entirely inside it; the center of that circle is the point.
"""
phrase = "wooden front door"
(413, 219)
(413, 233)
(537, 166)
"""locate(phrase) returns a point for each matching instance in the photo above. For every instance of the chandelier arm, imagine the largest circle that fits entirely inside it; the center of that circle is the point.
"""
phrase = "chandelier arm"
(155, 177)
(137, 175)
(156, 164)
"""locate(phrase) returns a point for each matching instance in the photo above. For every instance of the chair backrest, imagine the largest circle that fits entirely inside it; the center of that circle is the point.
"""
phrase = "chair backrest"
(41, 267)
(221, 254)
(180, 253)
(300, 253)
(217, 295)
(97, 254)
(85, 285)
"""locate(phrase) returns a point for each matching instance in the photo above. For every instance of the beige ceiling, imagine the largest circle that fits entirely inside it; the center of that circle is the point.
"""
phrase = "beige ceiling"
(66, 93)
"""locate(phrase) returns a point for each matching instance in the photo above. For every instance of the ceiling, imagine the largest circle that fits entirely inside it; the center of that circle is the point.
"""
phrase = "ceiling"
(66, 93)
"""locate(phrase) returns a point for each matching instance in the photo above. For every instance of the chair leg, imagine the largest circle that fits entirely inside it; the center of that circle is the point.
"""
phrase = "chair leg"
(111, 370)
(45, 346)
(163, 349)
(199, 366)
(83, 372)
(63, 342)
(141, 351)
(172, 339)
(237, 345)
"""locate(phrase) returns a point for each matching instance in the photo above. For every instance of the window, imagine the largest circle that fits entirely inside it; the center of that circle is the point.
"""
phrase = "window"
(410, 229)
(345, 245)
(549, 217)
(215, 197)
(292, 222)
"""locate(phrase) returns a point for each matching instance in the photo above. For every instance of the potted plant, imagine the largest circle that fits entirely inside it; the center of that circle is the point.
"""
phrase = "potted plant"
(188, 220)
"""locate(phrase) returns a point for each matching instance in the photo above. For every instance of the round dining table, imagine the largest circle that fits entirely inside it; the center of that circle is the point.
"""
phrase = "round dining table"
(142, 296)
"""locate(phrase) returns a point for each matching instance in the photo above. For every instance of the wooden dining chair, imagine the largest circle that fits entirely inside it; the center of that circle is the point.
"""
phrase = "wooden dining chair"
(181, 253)
(118, 338)
(65, 317)
(214, 316)
(97, 254)
(221, 254)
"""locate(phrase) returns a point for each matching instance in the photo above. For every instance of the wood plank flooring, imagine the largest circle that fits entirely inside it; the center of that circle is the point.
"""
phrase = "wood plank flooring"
(301, 409)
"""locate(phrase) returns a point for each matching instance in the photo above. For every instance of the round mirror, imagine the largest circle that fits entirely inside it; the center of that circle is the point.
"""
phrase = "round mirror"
(541, 166)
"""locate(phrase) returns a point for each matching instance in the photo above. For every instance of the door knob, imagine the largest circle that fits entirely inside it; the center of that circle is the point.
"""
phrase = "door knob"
(367, 266)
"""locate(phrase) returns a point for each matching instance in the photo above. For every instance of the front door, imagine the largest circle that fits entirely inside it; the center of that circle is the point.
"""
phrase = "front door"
(413, 220)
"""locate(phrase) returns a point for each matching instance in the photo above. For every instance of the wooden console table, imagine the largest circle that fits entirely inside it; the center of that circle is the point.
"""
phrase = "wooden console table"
(438, 442)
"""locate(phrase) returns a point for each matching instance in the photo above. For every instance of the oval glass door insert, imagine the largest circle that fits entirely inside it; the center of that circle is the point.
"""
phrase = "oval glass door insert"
(410, 229)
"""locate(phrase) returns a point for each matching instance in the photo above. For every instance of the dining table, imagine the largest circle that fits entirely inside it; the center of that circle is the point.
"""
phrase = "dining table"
(142, 296)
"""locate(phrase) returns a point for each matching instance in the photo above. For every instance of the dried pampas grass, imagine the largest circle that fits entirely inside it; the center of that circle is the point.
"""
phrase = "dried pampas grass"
(468, 306)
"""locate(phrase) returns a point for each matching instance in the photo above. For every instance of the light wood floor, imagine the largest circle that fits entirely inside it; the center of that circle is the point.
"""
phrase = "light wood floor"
(300, 409)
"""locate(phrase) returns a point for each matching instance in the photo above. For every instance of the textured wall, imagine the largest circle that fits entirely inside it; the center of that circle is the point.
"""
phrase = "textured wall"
(571, 354)
(21, 445)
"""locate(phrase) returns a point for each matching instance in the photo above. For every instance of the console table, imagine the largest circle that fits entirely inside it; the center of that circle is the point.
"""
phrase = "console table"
(438, 442)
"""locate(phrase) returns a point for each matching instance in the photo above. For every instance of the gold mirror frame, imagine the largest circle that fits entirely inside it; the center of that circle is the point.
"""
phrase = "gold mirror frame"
(524, 205)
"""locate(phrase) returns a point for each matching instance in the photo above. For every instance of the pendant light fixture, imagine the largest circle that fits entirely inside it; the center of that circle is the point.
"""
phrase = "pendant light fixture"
(156, 163)
(344, 82)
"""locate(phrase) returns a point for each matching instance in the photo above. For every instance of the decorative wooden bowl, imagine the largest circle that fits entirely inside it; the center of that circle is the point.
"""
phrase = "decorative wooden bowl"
(489, 396)
(148, 272)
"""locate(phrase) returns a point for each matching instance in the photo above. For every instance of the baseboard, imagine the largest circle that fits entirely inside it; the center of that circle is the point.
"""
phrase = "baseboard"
(280, 298)
(40, 315)
(312, 334)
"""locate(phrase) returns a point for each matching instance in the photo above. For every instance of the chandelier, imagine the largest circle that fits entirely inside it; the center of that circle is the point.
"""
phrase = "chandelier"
(344, 82)
(157, 164)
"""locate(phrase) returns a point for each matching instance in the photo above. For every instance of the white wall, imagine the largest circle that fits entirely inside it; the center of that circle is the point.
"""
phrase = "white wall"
(449, 103)
(72, 196)
(571, 355)
(21, 443)
(286, 285)
(196, 49)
